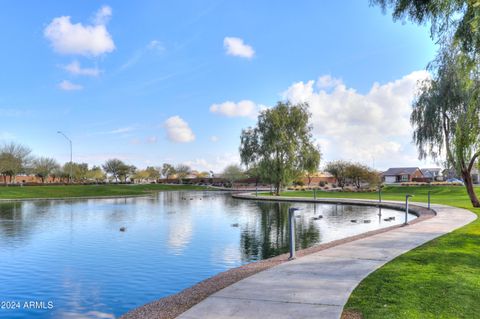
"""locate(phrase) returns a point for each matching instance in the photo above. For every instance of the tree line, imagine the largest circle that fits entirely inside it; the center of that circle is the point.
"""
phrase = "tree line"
(17, 159)
(356, 174)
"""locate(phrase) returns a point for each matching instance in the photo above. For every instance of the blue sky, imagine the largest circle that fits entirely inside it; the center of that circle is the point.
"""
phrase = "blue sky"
(150, 81)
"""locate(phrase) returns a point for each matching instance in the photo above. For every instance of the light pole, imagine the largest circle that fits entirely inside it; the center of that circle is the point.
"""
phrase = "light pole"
(429, 191)
(406, 208)
(291, 222)
(71, 156)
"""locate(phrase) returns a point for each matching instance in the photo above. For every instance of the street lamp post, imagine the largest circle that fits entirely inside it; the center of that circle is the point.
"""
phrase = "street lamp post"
(429, 191)
(70, 174)
(406, 208)
(291, 224)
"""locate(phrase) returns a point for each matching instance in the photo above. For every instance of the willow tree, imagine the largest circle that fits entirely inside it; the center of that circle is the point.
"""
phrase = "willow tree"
(277, 146)
(460, 18)
(311, 161)
(446, 114)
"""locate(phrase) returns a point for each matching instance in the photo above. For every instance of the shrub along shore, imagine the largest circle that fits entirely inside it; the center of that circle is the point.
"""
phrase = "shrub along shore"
(437, 280)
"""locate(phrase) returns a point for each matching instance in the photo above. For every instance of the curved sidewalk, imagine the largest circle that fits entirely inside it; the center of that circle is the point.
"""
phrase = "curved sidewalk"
(319, 285)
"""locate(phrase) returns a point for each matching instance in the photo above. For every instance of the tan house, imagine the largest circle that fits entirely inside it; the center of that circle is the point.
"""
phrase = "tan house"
(22, 179)
(401, 174)
(320, 177)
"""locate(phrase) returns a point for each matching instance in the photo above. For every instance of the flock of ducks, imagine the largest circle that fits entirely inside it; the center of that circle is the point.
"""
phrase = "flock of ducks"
(366, 221)
(191, 198)
(124, 229)
(319, 217)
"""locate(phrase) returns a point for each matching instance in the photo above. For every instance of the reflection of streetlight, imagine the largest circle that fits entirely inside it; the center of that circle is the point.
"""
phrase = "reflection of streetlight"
(71, 156)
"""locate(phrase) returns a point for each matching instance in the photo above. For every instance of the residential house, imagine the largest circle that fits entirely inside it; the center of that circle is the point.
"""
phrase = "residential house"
(401, 174)
(319, 177)
(475, 175)
(452, 173)
(432, 174)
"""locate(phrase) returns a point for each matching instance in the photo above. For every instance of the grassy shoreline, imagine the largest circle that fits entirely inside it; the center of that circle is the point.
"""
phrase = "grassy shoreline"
(440, 279)
(78, 191)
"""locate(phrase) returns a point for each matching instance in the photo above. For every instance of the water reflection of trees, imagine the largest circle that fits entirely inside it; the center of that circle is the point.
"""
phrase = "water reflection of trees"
(14, 223)
(18, 220)
(268, 235)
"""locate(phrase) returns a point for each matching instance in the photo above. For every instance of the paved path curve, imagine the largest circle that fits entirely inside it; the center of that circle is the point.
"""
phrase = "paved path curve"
(319, 285)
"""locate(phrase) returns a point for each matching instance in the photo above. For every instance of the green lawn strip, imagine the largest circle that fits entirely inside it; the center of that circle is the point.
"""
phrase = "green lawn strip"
(65, 191)
(440, 279)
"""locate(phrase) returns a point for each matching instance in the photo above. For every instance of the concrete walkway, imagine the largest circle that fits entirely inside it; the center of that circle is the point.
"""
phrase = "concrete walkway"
(318, 285)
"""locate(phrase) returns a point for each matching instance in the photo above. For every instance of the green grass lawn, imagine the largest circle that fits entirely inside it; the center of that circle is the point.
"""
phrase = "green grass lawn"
(440, 279)
(25, 192)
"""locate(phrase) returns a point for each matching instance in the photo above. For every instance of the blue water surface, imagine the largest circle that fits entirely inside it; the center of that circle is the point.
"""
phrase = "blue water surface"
(69, 259)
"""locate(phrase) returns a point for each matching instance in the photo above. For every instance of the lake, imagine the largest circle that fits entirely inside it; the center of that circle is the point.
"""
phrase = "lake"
(69, 259)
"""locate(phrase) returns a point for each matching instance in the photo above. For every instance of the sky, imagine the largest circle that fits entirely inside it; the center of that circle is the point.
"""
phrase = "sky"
(176, 81)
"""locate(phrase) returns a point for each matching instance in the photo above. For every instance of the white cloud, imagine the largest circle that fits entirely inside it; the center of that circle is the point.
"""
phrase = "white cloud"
(96, 158)
(76, 69)
(178, 130)
(121, 130)
(215, 163)
(124, 131)
(152, 46)
(327, 82)
(89, 40)
(244, 108)
(135, 141)
(149, 140)
(69, 86)
(103, 15)
(214, 138)
(152, 140)
(236, 47)
(156, 46)
(361, 127)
